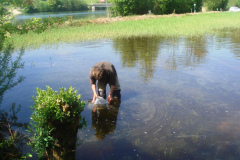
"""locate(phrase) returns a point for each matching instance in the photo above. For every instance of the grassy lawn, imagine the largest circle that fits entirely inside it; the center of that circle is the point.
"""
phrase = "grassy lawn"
(173, 26)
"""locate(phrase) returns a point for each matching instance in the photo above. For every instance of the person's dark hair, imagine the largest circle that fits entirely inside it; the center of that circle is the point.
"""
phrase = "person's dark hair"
(97, 72)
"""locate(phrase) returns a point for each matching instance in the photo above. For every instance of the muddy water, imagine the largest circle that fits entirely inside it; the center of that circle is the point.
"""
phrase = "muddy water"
(180, 97)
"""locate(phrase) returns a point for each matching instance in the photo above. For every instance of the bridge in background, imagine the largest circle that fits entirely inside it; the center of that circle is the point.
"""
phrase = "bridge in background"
(102, 4)
(95, 5)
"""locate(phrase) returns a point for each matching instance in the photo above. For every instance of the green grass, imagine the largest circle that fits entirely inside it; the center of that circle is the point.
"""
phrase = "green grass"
(93, 1)
(187, 25)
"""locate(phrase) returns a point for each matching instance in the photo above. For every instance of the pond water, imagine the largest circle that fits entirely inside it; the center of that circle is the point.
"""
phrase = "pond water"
(88, 14)
(180, 97)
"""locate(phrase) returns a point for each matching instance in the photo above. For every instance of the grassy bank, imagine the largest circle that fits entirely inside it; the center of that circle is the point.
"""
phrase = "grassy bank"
(167, 26)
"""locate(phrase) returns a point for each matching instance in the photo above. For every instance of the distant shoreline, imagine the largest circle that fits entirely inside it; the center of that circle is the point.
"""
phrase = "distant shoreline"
(188, 25)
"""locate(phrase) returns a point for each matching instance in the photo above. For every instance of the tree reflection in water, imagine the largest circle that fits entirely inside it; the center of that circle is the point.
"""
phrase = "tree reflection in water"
(8, 70)
(143, 53)
(142, 50)
(233, 38)
(104, 119)
(10, 140)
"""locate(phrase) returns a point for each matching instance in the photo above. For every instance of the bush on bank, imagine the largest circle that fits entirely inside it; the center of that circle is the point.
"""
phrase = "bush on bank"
(53, 111)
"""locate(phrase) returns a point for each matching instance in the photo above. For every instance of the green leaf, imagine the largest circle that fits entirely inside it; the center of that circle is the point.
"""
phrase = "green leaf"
(29, 155)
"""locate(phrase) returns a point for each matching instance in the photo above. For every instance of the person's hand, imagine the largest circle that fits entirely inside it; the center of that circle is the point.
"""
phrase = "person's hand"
(95, 96)
(109, 98)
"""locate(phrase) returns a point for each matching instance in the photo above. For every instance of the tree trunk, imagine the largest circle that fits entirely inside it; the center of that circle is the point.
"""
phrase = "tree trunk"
(65, 136)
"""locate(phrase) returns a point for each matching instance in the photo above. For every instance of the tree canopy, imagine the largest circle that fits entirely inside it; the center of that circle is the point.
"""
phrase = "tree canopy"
(131, 7)
(56, 5)
(216, 4)
(136, 7)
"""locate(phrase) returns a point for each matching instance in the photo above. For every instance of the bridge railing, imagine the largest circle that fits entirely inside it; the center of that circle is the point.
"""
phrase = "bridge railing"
(102, 4)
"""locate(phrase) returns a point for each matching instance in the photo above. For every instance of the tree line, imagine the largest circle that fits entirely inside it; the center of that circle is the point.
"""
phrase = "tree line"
(55, 5)
(137, 7)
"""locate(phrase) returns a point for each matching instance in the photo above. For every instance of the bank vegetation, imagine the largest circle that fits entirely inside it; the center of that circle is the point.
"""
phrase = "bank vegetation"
(174, 25)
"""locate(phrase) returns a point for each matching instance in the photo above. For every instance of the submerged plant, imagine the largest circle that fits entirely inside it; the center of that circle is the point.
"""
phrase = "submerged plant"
(52, 111)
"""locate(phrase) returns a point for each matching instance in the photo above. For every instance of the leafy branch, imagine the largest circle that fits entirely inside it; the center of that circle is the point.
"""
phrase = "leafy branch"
(50, 108)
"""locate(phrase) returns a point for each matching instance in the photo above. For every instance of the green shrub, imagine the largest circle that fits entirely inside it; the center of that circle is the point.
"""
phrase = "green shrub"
(52, 107)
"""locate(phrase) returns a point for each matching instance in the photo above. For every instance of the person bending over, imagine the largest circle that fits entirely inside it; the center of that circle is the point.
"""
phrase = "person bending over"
(105, 73)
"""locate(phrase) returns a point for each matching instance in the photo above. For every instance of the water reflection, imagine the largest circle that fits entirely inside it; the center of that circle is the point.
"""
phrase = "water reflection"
(139, 52)
(8, 70)
(196, 50)
(11, 141)
(234, 40)
(143, 53)
(77, 15)
(104, 120)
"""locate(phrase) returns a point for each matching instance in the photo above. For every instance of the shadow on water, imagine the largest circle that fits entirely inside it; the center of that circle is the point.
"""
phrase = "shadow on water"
(11, 141)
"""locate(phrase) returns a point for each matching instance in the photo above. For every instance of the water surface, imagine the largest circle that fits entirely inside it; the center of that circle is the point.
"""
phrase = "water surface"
(88, 14)
(180, 97)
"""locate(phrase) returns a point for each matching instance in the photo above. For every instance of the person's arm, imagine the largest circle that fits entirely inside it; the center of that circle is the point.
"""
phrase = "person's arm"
(93, 85)
(94, 92)
(110, 93)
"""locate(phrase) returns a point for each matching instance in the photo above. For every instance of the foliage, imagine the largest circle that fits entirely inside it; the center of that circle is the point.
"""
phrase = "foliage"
(37, 25)
(56, 5)
(51, 105)
(16, 2)
(214, 4)
(5, 25)
(232, 3)
(132, 7)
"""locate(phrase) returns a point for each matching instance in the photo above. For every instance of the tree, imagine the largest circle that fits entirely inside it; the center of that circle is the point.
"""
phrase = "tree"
(161, 6)
(17, 2)
(232, 3)
(51, 2)
(216, 4)
(132, 7)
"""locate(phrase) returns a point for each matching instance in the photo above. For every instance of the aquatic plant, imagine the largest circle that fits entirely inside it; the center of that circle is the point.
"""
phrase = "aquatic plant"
(55, 120)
